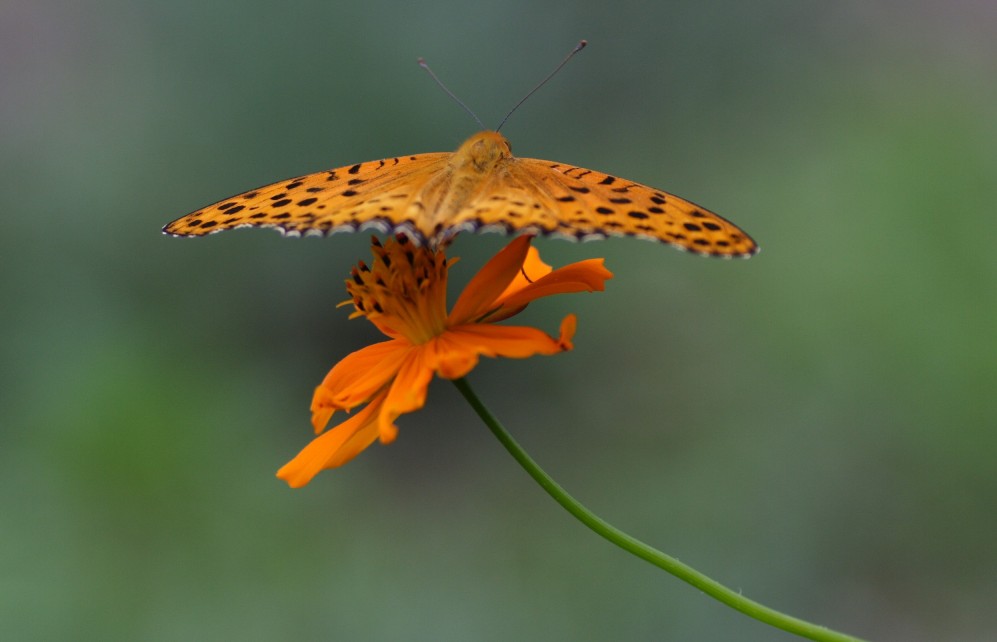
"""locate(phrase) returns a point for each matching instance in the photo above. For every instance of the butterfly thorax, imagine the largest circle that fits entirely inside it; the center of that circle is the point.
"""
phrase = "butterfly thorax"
(468, 171)
(481, 153)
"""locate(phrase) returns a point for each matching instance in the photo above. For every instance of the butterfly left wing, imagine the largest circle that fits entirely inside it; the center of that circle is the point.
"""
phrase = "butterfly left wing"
(546, 197)
(382, 194)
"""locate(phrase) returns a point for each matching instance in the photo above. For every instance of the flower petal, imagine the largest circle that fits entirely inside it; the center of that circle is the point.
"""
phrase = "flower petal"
(450, 358)
(490, 281)
(457, 350)
(533, 269)
(334, 448)
(584, 276)
(407, 392)
(357, 378)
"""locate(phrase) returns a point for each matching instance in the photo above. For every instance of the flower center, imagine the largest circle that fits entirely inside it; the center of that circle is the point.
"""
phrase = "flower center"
(404, 291)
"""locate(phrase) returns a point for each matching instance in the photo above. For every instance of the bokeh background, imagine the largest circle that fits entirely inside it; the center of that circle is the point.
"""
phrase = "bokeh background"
(814, 427)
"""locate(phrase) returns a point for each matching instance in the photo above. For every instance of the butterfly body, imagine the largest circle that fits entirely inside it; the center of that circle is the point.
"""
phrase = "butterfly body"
(480, 187)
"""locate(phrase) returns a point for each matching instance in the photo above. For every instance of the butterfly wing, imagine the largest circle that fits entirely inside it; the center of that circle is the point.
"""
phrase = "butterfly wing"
(527, 194)
(383, 194)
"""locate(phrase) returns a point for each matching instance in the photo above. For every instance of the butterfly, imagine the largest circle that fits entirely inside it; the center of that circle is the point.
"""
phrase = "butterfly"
(480, 187)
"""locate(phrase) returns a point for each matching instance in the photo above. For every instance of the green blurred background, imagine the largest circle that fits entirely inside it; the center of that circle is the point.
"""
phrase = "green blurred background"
(814, 427)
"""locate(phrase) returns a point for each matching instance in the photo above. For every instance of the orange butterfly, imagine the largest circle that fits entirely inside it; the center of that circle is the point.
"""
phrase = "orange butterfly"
(480, 187)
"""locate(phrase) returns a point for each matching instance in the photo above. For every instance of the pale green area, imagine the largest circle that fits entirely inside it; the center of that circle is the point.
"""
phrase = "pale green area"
(815, 426)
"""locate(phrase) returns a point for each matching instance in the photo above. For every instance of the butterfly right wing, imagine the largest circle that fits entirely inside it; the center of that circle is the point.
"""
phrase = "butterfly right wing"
(553, 198)
(383, 194)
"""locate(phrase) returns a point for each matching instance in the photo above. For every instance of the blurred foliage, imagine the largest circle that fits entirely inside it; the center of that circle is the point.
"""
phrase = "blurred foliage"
(814, 426)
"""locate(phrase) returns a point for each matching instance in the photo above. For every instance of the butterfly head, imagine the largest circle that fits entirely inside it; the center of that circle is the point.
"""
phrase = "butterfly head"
(482, 152)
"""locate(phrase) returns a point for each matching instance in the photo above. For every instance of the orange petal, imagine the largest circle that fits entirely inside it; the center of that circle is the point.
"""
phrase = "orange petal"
(533, 269)
(490, 281)
(322, 411)
(451, 359)
(583, 276)
(357, 378)
(568, 326)
(336, 447)
(458, 348)
(407, 392)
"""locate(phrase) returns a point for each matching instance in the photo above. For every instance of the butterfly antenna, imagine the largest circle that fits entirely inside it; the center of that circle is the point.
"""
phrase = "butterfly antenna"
(422, 63)
(581, 45)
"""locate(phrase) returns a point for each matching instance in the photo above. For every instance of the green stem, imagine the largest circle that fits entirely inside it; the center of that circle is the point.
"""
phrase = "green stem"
(632, 545)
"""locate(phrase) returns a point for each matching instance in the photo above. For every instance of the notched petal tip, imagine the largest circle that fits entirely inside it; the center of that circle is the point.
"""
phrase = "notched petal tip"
(321, 414)
(568, 327)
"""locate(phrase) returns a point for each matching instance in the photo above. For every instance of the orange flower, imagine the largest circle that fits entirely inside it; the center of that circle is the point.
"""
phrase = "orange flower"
(404, 294)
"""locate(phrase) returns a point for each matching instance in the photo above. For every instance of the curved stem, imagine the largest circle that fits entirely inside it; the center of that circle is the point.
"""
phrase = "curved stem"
(632, 545)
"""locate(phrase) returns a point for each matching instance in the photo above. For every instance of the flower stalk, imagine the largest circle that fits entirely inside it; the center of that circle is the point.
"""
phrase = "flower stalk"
(636, 547)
